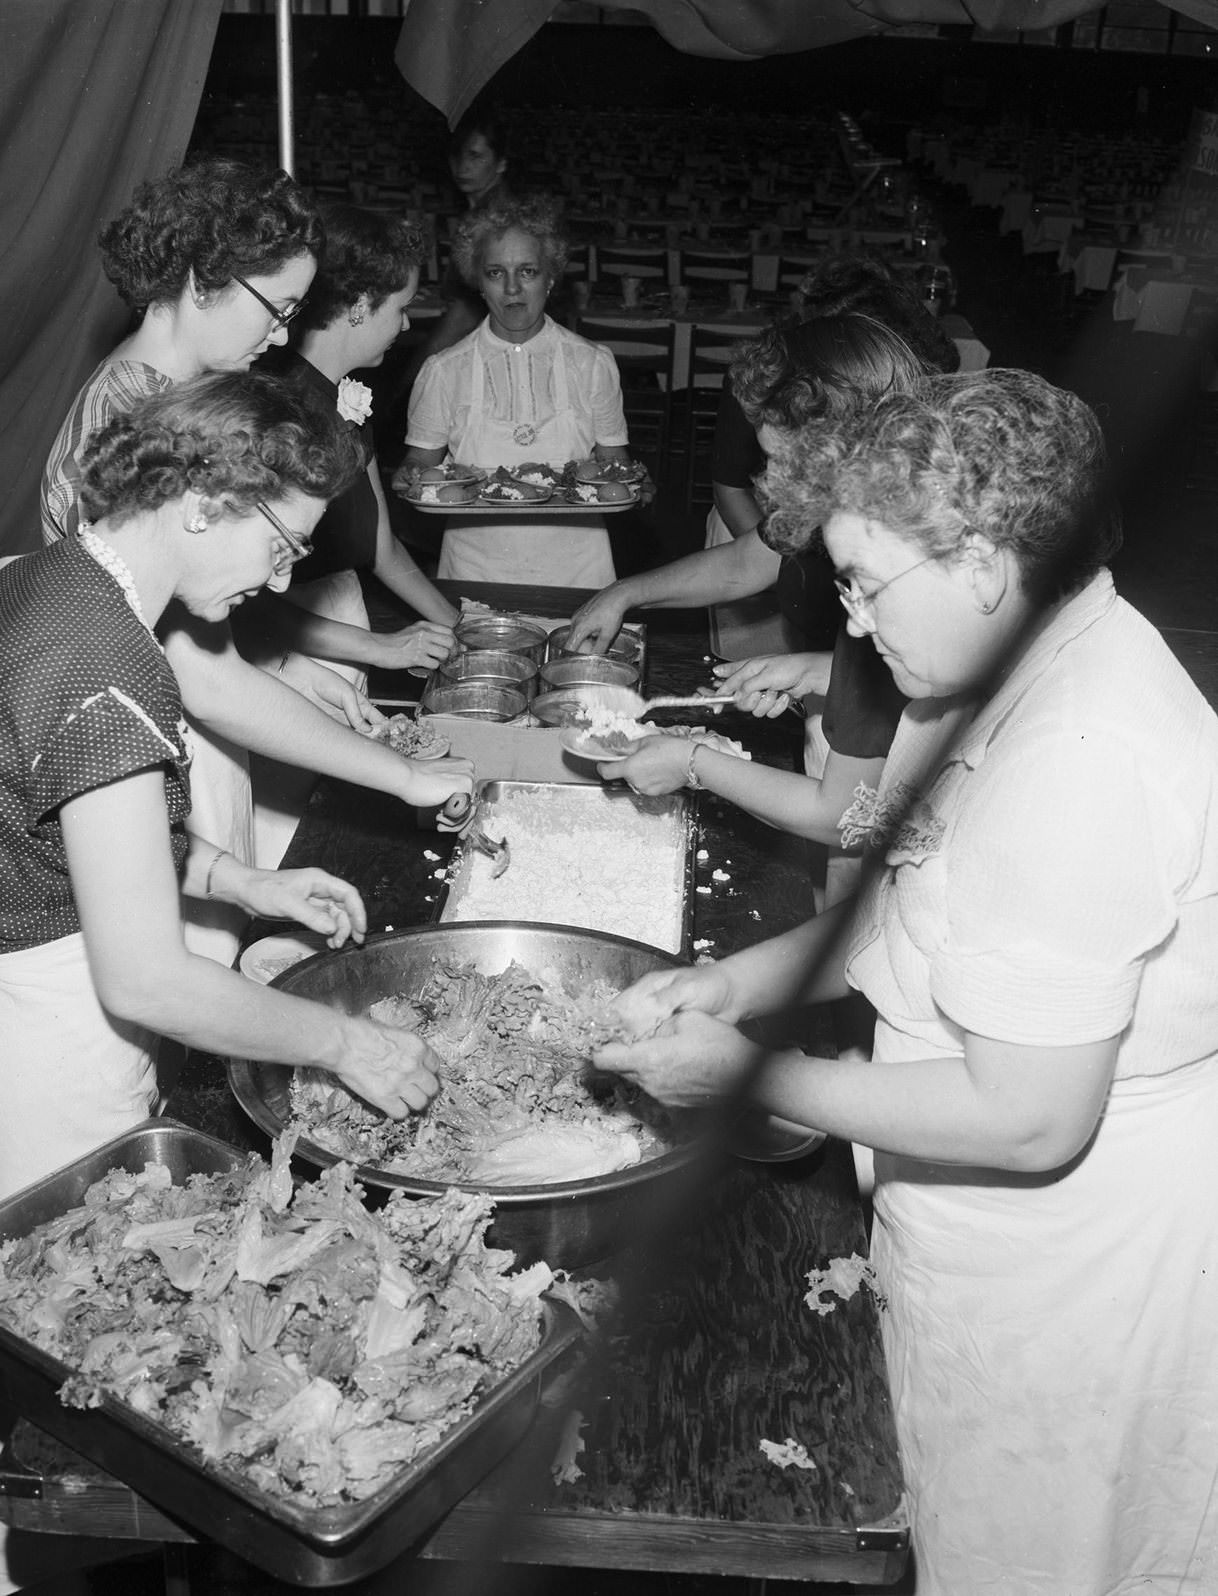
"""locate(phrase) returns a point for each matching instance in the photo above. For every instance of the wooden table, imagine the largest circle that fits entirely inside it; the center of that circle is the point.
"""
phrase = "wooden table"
(716, 1348)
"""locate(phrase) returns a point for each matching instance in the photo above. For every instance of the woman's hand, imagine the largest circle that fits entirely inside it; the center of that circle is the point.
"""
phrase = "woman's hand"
(332, 693)
(430, 783)
(424, 645)
(315, 899)
(393, 1070)
(653, 999)
(658, 765)
(596, 623)
(691, 1060)
(765, 686)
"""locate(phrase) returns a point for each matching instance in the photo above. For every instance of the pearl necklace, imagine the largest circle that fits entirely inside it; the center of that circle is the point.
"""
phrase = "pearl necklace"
(117, 567)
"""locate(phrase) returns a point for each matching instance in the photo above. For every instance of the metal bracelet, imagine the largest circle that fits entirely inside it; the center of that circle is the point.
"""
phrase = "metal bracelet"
(691, 775)
(211, 870)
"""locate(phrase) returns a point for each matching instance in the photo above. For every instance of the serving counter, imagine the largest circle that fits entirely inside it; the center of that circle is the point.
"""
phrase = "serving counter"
(660, 1424)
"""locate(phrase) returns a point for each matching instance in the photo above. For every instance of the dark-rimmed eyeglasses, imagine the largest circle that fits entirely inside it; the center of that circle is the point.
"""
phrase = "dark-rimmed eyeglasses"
(857, 602)
(298, 547)
(280, 317)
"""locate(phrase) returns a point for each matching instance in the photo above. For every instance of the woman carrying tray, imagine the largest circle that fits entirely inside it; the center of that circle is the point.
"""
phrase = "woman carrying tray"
(520, 388)
(199, 495)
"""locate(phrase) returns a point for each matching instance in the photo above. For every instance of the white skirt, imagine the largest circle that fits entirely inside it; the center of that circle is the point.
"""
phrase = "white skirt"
(74, 1077)
(1052, 1346)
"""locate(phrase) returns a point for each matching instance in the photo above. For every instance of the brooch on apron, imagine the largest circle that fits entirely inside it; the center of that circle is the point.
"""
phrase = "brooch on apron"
(524, 435)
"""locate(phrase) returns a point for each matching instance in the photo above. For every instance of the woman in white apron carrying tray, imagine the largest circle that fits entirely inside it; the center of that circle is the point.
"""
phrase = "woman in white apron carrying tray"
(519, 389)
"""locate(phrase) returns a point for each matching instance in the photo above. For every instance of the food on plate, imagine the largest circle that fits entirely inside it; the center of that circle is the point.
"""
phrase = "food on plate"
(615, 493)
(539, 474)
(516, 1104)
(443, 493)
(450, 471)
(609, 471)
(296, 1341)
(503, 487)
(413, 739)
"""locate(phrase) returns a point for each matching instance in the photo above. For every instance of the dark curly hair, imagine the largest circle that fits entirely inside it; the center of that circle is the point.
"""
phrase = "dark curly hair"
(535, 214)
(215, 218)
(236, 437)
(480, 119)
(1001, 452)
(866, 284)
(366, 254)
(791, 376)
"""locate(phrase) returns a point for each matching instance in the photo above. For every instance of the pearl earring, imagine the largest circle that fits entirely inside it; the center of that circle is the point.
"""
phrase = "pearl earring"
(355, 317)
(197, 522)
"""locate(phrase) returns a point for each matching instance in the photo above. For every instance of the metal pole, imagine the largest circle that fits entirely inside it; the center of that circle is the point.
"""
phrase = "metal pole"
(283, 74)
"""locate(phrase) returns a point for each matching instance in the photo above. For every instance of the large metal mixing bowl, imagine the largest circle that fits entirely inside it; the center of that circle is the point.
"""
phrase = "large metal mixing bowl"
(569, 1223)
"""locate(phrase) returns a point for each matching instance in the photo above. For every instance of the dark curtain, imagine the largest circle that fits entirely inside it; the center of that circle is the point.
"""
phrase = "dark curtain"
(449, 50)
(95, 95)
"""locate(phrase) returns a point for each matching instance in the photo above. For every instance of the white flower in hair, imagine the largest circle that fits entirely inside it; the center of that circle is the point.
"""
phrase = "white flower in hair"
(354, 401)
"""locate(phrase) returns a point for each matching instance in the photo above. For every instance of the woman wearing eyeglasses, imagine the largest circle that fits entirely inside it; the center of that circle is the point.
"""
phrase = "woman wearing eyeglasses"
(1037, 938)
(216, 258)
(198, 497)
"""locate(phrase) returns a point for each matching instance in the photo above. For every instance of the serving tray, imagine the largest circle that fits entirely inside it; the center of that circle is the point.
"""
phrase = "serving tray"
(626, 866)
(313, 1546)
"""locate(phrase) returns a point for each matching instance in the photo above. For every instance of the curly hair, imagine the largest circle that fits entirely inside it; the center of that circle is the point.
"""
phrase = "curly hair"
(1000, 452)
(866, 284)
(215, 218)
(365, 255)
(535, 214)
(822, 368)
(236, 437)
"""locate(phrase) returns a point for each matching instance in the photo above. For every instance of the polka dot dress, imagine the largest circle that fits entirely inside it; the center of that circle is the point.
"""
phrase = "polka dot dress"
(86, 698)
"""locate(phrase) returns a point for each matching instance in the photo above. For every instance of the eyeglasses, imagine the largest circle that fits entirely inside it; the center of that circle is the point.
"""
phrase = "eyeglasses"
(280, 317)
(298, 547)
(858, 602)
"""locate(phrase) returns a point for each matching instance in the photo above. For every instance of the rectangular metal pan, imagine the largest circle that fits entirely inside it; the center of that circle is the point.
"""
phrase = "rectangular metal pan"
(594, 814)
(313, 1547)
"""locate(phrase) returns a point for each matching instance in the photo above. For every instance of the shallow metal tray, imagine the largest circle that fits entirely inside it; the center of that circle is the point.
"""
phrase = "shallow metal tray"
(592, 809)
(313, 1547)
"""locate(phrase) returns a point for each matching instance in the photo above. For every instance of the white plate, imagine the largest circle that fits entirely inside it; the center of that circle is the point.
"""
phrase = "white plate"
(262, 961)
(591, 748)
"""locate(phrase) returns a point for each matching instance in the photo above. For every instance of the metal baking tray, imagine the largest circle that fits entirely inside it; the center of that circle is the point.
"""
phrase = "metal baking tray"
(311, 1547)
(597, 815)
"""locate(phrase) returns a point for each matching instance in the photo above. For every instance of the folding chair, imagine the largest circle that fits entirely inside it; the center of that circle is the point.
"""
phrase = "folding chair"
(631, 260)
(710, 353)
(698, 267)
(644, 354)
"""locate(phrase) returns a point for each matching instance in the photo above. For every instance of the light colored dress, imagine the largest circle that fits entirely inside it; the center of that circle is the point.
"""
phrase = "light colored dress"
(1052, 1341)
(494, 403)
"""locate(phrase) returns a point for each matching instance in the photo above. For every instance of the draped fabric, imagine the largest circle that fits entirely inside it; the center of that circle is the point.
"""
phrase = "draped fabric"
(448, 50)
(93, 99)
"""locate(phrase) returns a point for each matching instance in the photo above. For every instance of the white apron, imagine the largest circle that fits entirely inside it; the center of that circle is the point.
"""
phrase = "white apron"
(282, 791)
(1049, 1344)
(222, 811)
(548, 552)
(73, 1076)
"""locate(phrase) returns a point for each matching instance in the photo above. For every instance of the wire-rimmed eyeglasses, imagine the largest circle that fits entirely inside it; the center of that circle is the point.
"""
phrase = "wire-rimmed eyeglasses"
(857, 602)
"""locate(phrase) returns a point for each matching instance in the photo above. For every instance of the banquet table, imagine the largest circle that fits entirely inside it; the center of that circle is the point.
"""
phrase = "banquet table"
(716, 1349)
(1159, 299)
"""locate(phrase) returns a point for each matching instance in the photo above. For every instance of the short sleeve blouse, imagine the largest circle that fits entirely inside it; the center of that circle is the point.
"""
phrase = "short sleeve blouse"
(114, 388)
(442, 395)
(87, 698)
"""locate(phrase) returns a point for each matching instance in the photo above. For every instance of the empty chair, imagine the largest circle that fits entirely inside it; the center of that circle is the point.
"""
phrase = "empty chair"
(631, 260)
(792, 269)
(697, 267)
(710, 354)
(644, 354)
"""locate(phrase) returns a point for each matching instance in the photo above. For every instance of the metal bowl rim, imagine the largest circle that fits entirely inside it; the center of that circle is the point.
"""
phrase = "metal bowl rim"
(241, 1070)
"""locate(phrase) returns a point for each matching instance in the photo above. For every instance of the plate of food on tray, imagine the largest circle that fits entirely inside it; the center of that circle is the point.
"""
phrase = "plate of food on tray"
(413, 739)
(598, 471)
(508, 487)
